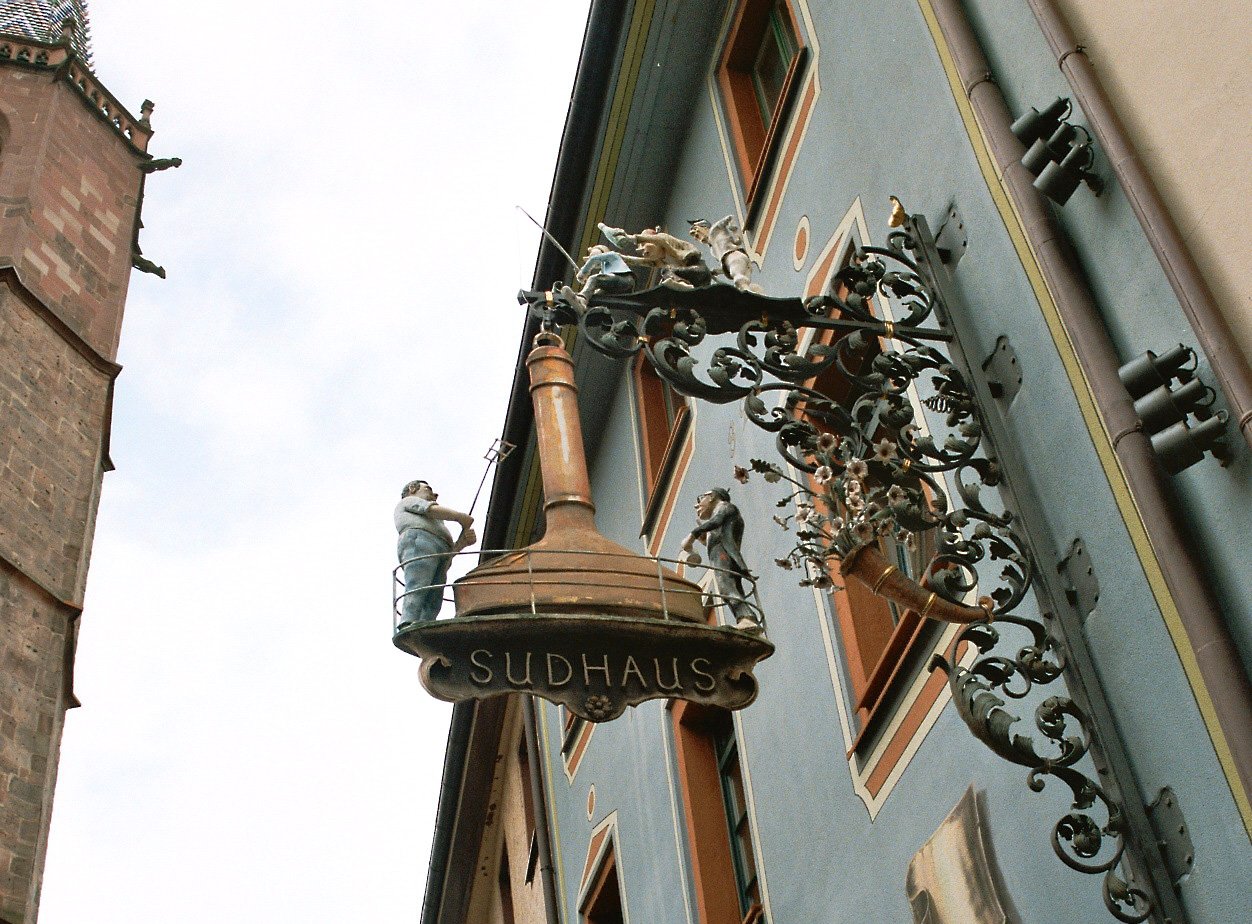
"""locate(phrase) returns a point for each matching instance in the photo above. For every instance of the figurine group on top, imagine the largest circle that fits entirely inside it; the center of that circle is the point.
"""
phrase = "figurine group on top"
(610, 269)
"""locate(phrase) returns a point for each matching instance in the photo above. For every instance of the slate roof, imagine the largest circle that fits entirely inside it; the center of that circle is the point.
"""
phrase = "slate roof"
(41, 20)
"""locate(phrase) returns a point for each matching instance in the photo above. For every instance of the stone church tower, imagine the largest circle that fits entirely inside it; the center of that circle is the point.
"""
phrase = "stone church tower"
(72, 167)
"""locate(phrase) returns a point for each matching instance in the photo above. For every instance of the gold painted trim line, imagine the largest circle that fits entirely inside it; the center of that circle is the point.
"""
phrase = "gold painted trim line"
(887, 572)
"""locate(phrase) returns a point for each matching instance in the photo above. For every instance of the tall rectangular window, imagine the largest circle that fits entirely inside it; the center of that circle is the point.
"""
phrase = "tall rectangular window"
(763, 54)
(604, 901)
(730, 773)
(878, 636)
(665, 444)
(528, 805)
(779, 48)
(719, 829)
(662, 414)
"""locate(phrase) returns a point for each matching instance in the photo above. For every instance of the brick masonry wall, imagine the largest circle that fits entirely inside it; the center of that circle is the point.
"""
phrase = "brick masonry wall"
(69, 189)
(69, 186)
(53, 405)
(33, 641)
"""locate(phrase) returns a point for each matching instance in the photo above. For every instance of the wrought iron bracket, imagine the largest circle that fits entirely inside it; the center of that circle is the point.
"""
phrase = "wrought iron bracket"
(1147, 891)
(860, 471)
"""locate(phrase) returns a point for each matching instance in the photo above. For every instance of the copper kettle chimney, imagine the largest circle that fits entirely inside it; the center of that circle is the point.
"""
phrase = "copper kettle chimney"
(572, 569)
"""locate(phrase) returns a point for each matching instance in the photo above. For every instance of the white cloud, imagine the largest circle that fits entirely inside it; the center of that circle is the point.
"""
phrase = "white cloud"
(343, 252)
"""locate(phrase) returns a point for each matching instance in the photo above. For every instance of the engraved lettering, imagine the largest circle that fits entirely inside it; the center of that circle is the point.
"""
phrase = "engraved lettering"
(482, 681)
(588, 668)
(661, 684)
(633, 668)
(712, 684)
(508, 670)
(569, 671)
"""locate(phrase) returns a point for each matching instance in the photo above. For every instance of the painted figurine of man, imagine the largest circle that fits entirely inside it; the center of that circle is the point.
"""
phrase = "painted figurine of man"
(605, 271)
(720, 526)
(730, 249)
(425, 548)
(680, 262)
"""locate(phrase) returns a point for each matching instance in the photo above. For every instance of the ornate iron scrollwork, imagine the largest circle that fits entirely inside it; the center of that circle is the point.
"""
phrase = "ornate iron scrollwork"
(859, 471)
(1078, 839)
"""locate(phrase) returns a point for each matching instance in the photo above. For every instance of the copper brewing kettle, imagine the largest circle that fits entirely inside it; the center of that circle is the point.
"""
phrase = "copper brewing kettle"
(572, 569)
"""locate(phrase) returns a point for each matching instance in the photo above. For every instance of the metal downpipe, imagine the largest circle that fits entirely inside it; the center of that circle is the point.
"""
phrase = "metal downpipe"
(1217, 657)
(1212, 329)
(546, 878)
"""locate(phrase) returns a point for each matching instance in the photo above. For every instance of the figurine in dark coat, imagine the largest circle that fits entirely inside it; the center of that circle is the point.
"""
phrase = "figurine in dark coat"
(720, 527)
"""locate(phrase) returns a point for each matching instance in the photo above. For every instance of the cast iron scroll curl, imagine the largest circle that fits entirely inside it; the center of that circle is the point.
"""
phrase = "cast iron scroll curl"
(1080, 841)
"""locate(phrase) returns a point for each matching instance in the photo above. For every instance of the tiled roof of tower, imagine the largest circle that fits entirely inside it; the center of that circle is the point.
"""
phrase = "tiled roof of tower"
(41, 20)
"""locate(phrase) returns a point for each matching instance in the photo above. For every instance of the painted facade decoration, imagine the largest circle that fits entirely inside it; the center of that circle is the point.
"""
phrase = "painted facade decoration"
(1002, 687)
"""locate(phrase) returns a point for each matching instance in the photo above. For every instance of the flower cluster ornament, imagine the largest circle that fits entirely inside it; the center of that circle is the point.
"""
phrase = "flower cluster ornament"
(841, 506)
(598, 707)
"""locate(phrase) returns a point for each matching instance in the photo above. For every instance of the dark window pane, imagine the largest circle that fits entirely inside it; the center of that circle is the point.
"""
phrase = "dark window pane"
(773, 58)
(731, 773)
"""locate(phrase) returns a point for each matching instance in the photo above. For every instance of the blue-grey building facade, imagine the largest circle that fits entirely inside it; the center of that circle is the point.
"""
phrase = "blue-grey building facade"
(864, 796)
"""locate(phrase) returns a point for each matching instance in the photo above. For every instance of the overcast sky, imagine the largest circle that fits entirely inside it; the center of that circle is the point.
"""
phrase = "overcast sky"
(343, 251)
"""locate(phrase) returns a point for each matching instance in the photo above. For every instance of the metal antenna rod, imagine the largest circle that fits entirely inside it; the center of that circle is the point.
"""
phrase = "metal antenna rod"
(554, 241)
(498, 452)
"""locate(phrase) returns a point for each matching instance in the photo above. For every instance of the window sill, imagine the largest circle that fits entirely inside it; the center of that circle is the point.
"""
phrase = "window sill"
(893, 671)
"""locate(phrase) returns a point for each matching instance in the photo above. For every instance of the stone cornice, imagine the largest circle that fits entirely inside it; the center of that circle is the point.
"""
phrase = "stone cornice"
(10, 276)
(19, 51)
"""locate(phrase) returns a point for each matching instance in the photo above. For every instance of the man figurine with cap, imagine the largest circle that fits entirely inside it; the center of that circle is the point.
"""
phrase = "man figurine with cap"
(425, 548)
(730, 249)
(720, 527)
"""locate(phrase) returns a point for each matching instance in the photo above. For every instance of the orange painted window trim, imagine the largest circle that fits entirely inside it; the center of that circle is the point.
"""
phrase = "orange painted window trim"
(575, 736)
(755, 144)
(876, 647)
(708, 837)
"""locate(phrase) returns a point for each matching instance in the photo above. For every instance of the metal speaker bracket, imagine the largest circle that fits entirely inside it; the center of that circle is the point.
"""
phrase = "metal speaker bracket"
(1081, 585)
(1004, 373)
(1171, 834)
(952, 239)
